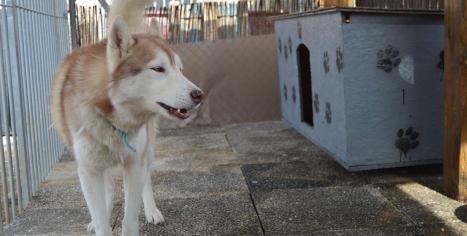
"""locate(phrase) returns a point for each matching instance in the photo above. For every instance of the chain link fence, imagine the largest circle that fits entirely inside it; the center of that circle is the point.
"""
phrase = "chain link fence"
(228, 48)
(33, 40)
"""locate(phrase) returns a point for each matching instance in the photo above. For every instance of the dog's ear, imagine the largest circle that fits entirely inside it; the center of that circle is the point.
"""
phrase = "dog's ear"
(155, 28)
(119, 42)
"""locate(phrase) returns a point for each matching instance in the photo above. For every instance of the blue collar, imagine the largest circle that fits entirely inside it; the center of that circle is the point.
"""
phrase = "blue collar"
(124, 137)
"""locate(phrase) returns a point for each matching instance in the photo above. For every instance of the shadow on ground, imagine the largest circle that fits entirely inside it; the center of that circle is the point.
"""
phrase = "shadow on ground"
(258, 179)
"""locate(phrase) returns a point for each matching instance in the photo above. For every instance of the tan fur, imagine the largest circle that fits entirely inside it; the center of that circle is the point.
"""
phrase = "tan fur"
(84, 71)
(103, 99)
(141, 55)
(82, 79)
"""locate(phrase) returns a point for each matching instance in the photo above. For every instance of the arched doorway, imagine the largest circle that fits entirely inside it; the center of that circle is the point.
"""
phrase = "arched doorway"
(304, 76)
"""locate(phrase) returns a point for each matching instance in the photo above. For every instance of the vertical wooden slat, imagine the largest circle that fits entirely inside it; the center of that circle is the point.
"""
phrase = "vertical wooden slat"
(455, 130)
(345, 3)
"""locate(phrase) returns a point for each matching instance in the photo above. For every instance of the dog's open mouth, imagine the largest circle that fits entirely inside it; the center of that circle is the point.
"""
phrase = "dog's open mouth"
(181, 113)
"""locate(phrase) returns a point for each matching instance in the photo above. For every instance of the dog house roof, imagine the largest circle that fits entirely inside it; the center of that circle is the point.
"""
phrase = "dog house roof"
(364, 10)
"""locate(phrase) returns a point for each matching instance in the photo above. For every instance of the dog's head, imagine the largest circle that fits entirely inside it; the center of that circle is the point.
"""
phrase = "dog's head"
(147, 75)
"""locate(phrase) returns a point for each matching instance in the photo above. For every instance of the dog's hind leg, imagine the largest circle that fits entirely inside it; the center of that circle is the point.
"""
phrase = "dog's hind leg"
(133, 181)
(152, 213)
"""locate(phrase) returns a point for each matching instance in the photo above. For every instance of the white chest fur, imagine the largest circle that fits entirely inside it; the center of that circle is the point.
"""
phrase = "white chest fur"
(104, 147)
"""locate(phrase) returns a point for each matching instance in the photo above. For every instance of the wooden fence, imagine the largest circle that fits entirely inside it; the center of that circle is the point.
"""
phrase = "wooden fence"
(403, 4)
(221, 19)
(200, 21)
(91, 24)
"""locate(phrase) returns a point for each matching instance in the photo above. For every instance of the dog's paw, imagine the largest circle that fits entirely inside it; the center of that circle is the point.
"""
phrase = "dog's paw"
(154, 216)
(91, 227)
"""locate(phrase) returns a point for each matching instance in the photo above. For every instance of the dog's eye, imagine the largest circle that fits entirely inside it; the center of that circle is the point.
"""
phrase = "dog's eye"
(158, 69)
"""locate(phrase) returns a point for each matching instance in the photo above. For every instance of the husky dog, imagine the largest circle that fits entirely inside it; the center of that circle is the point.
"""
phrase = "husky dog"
(103, 100)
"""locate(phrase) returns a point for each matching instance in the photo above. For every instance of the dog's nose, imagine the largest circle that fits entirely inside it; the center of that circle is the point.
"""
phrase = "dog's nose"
(197, 95)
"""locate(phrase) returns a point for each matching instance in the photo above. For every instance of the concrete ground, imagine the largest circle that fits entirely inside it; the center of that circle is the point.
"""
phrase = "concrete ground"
(258, 179)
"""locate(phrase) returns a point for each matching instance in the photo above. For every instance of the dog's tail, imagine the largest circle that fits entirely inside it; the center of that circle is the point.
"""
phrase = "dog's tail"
(131, 11)
(56, 101)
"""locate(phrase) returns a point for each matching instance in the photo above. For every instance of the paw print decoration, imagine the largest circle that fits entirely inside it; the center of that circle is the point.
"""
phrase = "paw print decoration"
(388, 58)
(441, 60)
(316, 103)
(339, 59)
(326, 62)
(285, 92)
(328, 113)
(294, 96)
(279, 45)
(299, 29)
(406, 140)
(290, 45)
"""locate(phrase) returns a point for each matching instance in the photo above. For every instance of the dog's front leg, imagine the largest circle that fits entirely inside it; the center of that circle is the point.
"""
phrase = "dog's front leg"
(109, 195)
(133, 181)
(93, 186)
(152, 213)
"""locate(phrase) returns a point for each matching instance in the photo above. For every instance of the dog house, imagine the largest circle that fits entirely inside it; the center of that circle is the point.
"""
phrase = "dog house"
(366, 85)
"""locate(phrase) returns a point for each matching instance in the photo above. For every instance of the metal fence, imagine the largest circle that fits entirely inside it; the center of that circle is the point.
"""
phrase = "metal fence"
(33, 39)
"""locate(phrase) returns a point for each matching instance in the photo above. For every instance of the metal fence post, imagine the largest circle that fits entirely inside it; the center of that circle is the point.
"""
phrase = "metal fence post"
(74, 36)
(22, 155)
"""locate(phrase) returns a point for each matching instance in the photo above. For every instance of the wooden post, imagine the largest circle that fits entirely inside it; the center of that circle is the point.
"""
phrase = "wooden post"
(346, 3)
(336, 3)
(455, 110)
(73, 29)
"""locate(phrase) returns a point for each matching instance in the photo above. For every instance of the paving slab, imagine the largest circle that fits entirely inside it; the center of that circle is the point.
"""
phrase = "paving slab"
(403, 174)
(298, 174)
(191, 130)
(201, 160)
(258, 126)
(190, 184)
(67, 196)
(385, 231)
(50, 222)
(65, 170)
(303, 211)
(422, 204)
(179, 145)
(243, 159)
(57, 196)
(443, 229)
(230, 214)
(284, 141)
